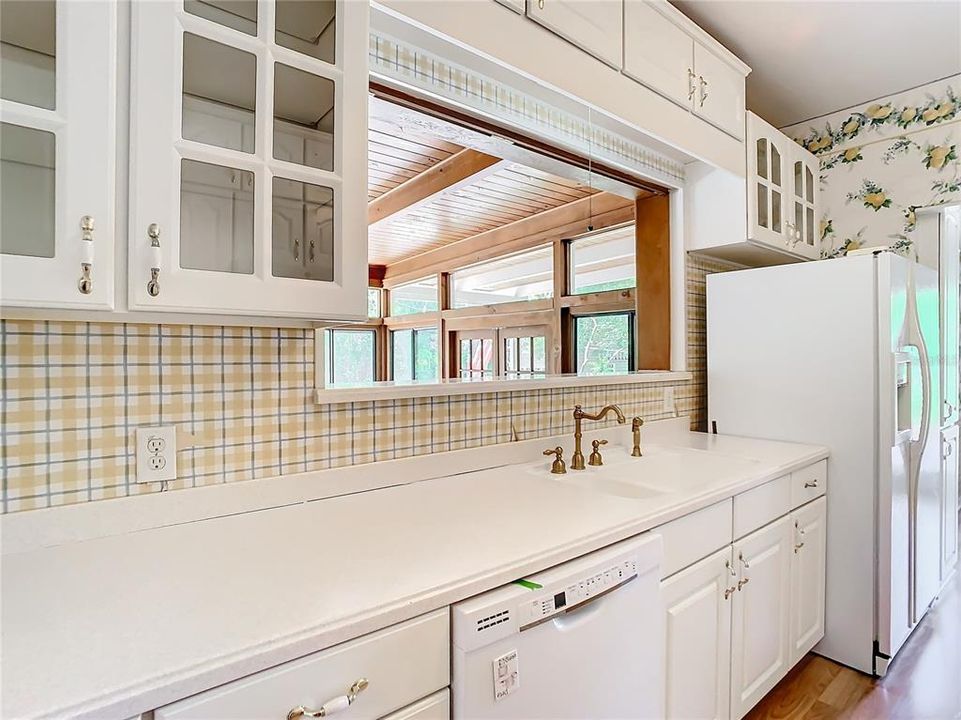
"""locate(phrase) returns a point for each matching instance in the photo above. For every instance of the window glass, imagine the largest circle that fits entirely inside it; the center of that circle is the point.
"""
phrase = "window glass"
(415, 297)
(28, 52)
(217, 112)
(216, 218)
(402, 355)
(525, 356)
(604, 343)
(414, 355)
(27, 191)
(302, 230)
(476, 357)
(604, 261)
(350, 356)
(373, 302)
(303, 117)
(307, 27)
(237, 14)
(425, 354)
(525, 276)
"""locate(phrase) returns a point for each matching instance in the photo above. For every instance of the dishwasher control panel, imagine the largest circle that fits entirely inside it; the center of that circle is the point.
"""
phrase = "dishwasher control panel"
(577, 592)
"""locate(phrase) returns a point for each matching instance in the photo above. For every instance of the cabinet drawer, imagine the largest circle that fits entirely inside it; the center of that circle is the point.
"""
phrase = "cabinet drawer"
(761, 505)
(809, 483)
(402, 664)
(694, 536)
(435, 707)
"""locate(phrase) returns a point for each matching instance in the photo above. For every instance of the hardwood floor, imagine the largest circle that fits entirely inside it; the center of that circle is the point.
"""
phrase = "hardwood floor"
(924, 682)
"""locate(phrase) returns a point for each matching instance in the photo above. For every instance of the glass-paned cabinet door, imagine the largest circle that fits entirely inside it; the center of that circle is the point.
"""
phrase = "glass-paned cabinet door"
(248, 157)
(767, 181)
(803, 224)
(57, 141)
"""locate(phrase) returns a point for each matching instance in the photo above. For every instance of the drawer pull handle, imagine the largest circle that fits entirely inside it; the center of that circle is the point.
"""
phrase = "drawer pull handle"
(85, 284)
(742, 582)
(334, 705)
(153, 232)
(728, 592)
(811, 483)
(690, 84)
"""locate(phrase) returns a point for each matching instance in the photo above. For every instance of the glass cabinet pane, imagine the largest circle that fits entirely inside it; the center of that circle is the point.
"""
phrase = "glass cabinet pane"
(762, 205)
(775, 211)
(27, 191)
(808, 184)
(237, 14)
(809, 227)
(308, 27)
(798, 181)
(775, 166)
(762, 157)
(302, 230)
(219, 94)
(798, 218)
(28, 52)
(216, 218)
(303, 117)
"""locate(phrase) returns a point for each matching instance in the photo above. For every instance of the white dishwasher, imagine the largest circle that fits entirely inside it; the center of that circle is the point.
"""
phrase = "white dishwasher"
(580, 640)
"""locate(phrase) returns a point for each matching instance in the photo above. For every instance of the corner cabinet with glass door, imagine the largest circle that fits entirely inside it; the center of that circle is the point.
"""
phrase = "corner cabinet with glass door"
(782, 192)
(248, 158)
(57, 143)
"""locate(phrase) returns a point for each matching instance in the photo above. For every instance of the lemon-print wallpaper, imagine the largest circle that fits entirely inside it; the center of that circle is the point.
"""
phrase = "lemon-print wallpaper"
(882, 161)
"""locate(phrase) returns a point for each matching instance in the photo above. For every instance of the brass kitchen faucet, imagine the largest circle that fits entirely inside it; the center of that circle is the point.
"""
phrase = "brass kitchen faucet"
(577, 461)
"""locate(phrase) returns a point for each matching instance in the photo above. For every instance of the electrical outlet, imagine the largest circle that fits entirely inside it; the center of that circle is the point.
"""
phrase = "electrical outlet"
(669, 404)
(156, 453)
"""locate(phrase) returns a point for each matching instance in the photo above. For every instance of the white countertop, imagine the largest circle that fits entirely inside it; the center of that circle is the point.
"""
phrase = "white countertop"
(114, 626)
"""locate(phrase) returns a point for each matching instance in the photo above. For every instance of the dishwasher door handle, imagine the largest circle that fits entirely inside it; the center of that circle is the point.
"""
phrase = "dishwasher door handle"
(583, 613)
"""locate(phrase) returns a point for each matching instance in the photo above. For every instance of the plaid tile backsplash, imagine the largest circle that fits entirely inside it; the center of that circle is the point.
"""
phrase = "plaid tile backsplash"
(72, 395)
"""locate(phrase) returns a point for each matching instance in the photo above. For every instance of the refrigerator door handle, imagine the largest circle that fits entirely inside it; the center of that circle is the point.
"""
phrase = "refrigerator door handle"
(916, 339)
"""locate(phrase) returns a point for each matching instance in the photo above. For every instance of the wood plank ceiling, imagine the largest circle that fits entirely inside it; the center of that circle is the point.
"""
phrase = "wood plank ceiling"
(408, 215)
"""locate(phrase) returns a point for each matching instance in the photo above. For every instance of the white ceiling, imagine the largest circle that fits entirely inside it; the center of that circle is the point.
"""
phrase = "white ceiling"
(816, 57)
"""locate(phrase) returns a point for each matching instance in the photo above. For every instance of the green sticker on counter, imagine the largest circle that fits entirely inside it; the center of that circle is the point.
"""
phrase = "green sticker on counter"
(528, 584)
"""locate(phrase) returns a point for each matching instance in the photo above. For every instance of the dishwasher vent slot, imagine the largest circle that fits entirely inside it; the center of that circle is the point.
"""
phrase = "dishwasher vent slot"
(491, 620)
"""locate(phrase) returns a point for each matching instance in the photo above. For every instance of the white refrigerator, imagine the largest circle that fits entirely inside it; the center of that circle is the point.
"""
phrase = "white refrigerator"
(845, 353)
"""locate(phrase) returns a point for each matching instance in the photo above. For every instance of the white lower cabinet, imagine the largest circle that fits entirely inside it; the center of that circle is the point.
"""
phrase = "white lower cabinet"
(697, 627)
(760, 614)
(404, 670)
(737, 620)
(807, 578)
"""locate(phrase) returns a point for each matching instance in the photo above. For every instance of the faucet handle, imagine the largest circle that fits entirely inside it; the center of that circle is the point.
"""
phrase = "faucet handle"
(596, 458)
(557, 466)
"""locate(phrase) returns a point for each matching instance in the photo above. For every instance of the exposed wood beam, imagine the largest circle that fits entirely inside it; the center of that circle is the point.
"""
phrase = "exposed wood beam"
(653, 264)
(600, 210)
(375, 275)
(460, 168)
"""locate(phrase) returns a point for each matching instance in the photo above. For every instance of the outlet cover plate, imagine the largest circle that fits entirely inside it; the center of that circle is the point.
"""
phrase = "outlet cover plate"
(160, 465)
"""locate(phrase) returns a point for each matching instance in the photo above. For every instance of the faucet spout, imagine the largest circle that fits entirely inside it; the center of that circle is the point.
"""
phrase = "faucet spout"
(577, 460)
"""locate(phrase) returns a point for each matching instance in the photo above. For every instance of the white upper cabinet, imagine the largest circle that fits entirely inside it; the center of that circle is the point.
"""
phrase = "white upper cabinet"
(248, 163)
(767, 167)
(802, 223)
(595, 26)
(782, 194)
(658, 53)
(57, 143)
(719, 97)
(668, 53)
